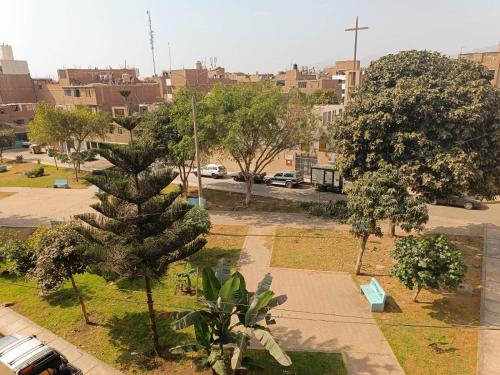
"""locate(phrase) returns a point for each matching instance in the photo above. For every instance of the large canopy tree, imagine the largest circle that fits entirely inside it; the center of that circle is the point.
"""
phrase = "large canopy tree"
(257, 122)
(140, 229)
(434, 118)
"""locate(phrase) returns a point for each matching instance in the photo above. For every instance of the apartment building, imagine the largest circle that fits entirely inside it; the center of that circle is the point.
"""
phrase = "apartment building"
(200, 78)
(17, 93)
(491, 60)
(306, 80)
(348, 74)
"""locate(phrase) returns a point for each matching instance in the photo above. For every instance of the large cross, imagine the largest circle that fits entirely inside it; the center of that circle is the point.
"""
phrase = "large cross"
(355, 29)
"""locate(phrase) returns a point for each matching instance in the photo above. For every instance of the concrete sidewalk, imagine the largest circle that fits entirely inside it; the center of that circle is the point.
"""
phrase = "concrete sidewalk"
(11, 322)
(488, 362)
(324, 312)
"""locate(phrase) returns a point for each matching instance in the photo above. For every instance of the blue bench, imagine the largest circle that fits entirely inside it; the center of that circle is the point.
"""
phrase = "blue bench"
(374, 294)
(193, 201)
(3, 168)
(61, 183)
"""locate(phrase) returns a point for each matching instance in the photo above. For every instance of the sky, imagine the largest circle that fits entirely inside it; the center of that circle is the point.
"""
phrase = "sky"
(262, 36)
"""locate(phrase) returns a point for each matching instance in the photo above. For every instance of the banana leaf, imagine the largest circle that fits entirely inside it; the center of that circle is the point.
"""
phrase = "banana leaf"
(268, 342)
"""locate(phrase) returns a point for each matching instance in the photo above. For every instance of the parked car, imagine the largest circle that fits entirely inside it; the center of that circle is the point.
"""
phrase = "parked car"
(25, 144)
(212, 170)
(27, 355)
(468, 203)
(289, 179)
(257, 178)
(35, 149)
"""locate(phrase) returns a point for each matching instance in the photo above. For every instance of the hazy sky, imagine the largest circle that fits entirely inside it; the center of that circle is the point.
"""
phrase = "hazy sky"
(249, 36)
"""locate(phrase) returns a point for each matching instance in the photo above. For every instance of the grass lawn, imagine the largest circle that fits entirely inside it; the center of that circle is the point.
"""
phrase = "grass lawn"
(120, 312)
(229, 201)
(304, 363)
(119, 308)
(14, 177)
(403, 323)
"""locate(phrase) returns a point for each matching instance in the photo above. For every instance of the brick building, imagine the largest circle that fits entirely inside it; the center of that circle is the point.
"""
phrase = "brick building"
(491, 60)
(306, 80)
(200, 78)
(348, 74)
(17, 93)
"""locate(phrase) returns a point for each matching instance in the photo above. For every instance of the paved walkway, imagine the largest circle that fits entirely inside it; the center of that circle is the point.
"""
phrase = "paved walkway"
(489, 340)
(11, 322)
(324, 311)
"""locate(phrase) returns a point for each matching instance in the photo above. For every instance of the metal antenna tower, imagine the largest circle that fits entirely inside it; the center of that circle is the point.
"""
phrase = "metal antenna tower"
(151, 41)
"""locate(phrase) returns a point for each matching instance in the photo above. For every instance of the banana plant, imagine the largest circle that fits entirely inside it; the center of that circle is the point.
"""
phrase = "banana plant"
(230, 315)
(184, 279)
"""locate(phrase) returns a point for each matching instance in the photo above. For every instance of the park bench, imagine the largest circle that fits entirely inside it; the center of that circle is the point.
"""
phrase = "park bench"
(3, 168)
(61, 183)
(374, 294)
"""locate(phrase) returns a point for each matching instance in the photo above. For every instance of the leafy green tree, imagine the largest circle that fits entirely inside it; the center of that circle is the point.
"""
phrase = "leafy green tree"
(73, 126)
(378, 196)
(256, 123)
(140, 230)
(7, 139)
(59, 256)
(226, 297)
(427, 262)
(433, 118)
(172, 126)
(324, 96)
(51, 256)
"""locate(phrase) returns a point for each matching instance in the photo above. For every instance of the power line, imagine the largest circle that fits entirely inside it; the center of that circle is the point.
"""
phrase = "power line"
(384, 321)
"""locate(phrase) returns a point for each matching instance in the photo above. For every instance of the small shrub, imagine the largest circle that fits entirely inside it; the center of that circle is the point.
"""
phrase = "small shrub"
(35, 172)
(19, 159)
(333, 210)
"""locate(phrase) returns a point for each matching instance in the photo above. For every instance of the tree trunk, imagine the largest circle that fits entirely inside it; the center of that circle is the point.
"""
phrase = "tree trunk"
(248, 190)
(419, 288)
(131, 138)
(362, 246)
(392, 228)
(152, 316)
(55, 162)
(184, 179)
(80, 299)
(75, 167)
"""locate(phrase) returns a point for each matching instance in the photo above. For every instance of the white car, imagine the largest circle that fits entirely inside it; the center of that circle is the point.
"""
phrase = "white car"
(212, 170)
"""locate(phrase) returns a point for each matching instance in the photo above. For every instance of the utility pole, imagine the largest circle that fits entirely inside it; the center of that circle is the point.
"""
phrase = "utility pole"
(197, 151)
(356, 29)
(151, 41)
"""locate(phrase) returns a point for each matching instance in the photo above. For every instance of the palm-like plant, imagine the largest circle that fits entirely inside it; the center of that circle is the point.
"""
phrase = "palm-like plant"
(228, 301)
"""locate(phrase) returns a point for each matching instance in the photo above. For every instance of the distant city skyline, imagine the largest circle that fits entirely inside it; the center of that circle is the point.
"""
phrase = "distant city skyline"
(263, 36)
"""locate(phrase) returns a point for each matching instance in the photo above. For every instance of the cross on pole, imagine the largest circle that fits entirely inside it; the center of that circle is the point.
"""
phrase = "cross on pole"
(356, 29)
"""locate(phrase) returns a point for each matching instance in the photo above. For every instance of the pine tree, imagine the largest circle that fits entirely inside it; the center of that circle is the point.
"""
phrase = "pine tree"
(140, 231)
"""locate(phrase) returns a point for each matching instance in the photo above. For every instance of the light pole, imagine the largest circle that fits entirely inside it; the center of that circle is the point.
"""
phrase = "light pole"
(197, 150)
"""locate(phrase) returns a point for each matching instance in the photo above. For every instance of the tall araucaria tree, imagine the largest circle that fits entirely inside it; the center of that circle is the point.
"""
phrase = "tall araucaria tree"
(257, 122)
(433, 118)
(140, 229)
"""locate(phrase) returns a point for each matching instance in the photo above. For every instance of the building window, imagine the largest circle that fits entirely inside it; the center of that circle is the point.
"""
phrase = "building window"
(88, 92)
(77, 93)
(120, 130)
(322, 143)
(67, 92)
(302, 84)
(111, 129)
(19, 121)
(340, 112)
(117, 112)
